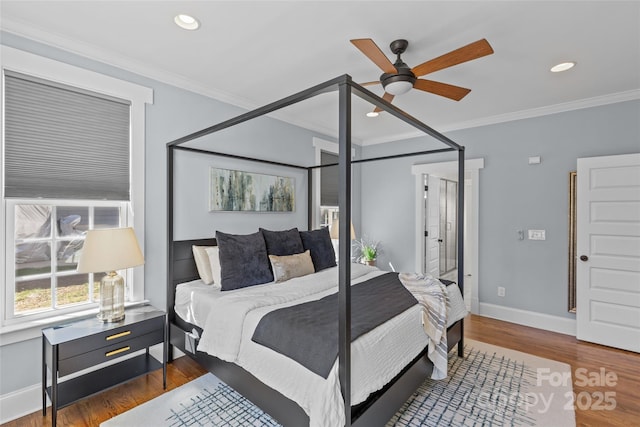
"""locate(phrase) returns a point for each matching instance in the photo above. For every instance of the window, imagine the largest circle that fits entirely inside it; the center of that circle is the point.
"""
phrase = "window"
(48, 238)
(325, 190)
(73, 148)
(328, 189)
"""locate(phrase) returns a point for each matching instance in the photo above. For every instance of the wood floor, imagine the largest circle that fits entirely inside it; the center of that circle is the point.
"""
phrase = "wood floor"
(588, 358)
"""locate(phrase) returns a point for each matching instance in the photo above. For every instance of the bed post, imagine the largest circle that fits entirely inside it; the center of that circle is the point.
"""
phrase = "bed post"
(310, 204)
(461, 240)
(344, 249)
(170, 289)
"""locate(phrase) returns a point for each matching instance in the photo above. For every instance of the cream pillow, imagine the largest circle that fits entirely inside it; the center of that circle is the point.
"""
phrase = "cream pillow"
(213, 255)
(290, 266)
(202, 263)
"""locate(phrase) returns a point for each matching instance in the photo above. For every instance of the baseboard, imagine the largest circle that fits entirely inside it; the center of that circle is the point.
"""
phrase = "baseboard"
(533, 319)
(20, 403)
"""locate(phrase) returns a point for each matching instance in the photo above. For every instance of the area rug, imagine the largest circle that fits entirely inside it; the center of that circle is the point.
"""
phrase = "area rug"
(490, 386)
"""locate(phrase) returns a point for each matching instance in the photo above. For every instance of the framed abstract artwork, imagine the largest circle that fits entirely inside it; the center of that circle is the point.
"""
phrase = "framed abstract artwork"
(232, 190)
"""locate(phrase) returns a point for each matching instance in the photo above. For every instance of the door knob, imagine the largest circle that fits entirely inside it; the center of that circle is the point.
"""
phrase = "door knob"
(584, 258)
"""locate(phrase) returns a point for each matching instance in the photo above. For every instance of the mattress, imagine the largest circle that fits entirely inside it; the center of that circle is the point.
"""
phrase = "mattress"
(377, 357)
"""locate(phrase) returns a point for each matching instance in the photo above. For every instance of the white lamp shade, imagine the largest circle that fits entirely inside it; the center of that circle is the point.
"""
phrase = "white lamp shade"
(109, 250)
(334, 232)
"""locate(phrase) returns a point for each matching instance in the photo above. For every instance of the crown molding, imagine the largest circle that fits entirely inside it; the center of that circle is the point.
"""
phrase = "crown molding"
(596, 101)
(115, 59)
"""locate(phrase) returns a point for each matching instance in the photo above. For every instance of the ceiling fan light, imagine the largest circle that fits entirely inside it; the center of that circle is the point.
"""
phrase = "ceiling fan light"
(398, 87)
(187, 22)
(373, 114)
(562, 67)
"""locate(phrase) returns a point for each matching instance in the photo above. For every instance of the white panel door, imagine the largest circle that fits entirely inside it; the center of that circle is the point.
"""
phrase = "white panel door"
(432, 214)
(608, 250)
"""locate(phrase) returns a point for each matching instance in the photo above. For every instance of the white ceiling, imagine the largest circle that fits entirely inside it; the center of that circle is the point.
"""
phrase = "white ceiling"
(252, 53)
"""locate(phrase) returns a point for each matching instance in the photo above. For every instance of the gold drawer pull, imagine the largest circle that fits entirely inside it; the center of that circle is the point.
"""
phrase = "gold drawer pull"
(121, 334)
(120, 350)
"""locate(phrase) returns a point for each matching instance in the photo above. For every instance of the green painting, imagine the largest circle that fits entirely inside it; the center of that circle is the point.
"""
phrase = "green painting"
(232, 190)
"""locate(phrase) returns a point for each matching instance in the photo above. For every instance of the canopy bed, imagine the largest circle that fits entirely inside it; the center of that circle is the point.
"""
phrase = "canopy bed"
(237, 362)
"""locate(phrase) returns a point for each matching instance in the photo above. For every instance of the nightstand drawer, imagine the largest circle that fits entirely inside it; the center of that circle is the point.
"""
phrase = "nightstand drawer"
(109, 338)
(113, 351)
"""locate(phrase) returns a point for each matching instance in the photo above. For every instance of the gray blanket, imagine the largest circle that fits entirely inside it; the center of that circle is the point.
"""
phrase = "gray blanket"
(308, 332)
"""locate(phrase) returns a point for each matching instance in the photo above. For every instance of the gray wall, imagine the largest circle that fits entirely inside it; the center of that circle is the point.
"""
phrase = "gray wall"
(175, 113)
(513, 196)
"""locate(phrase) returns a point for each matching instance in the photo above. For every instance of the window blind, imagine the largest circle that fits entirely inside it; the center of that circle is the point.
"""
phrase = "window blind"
(328, 179)
(63, 142)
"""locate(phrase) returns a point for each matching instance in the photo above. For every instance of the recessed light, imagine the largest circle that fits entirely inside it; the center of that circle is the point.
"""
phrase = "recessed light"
(187, 22)
(372, 114)
(562, 67)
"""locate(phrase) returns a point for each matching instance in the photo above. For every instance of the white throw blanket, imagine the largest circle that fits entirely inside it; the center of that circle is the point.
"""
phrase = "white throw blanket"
(433, 297)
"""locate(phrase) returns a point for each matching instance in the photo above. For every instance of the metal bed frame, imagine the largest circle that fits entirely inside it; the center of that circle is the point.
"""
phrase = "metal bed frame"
(180, 264)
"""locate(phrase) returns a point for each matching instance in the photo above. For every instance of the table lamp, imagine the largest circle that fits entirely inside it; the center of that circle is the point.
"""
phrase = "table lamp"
(335, 230)
(108, 250)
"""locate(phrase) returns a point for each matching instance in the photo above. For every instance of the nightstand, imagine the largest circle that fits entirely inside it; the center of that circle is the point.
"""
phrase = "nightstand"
(82, 344)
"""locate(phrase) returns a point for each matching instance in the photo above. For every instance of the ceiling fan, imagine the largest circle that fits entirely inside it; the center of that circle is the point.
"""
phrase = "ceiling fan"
(398, 78)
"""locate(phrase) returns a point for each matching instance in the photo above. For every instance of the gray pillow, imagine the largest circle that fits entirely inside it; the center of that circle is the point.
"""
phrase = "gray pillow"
(282, 243)
(318, 242)
(243, 260)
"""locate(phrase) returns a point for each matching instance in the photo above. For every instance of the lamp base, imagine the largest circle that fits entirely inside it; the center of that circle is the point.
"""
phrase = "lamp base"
(111, 298)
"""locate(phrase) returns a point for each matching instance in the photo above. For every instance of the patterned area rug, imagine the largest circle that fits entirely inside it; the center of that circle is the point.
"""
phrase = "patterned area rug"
(491, 386)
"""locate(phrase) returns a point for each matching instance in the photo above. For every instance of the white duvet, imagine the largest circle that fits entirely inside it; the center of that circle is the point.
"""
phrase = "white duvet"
(229, 318)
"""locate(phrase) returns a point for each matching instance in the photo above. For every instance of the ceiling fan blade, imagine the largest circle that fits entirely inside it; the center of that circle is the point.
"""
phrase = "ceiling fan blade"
(448, 91)
(377, 82)
(373, 52)
(466, 53)
(387, 97)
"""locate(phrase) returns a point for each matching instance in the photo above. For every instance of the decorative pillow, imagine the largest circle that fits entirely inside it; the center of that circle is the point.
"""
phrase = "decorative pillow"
(285, 242)
(290, 266)
(214, 261)
(243, 260)
(202, 263)
(319, 243)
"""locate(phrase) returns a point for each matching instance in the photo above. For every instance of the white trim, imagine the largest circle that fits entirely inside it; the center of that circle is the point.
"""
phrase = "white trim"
(319, 145)
(32, 328)
(533, 319)
(21, 402)
(595, 101)
(48, 69)
(472, 177)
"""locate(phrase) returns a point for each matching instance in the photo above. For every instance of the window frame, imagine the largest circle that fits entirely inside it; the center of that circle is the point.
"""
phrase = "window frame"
(320, 145)
(27, 63)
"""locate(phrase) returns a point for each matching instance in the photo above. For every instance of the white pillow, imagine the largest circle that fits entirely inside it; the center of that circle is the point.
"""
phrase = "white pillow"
(202, 263)
(213, 255)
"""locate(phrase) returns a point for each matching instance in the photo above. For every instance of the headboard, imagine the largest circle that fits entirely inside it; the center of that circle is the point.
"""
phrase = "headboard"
(182, 267)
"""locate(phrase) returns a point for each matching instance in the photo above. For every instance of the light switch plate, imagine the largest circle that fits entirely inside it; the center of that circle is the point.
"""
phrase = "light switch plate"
(537, 235)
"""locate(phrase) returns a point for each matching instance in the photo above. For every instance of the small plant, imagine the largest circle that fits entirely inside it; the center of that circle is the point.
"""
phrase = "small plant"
(366, 250)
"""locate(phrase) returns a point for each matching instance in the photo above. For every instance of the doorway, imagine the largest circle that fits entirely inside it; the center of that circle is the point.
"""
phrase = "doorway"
(448, 229)
(427, 228)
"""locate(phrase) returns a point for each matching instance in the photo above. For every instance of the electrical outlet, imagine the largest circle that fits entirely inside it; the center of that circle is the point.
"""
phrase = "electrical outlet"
(501, 291)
